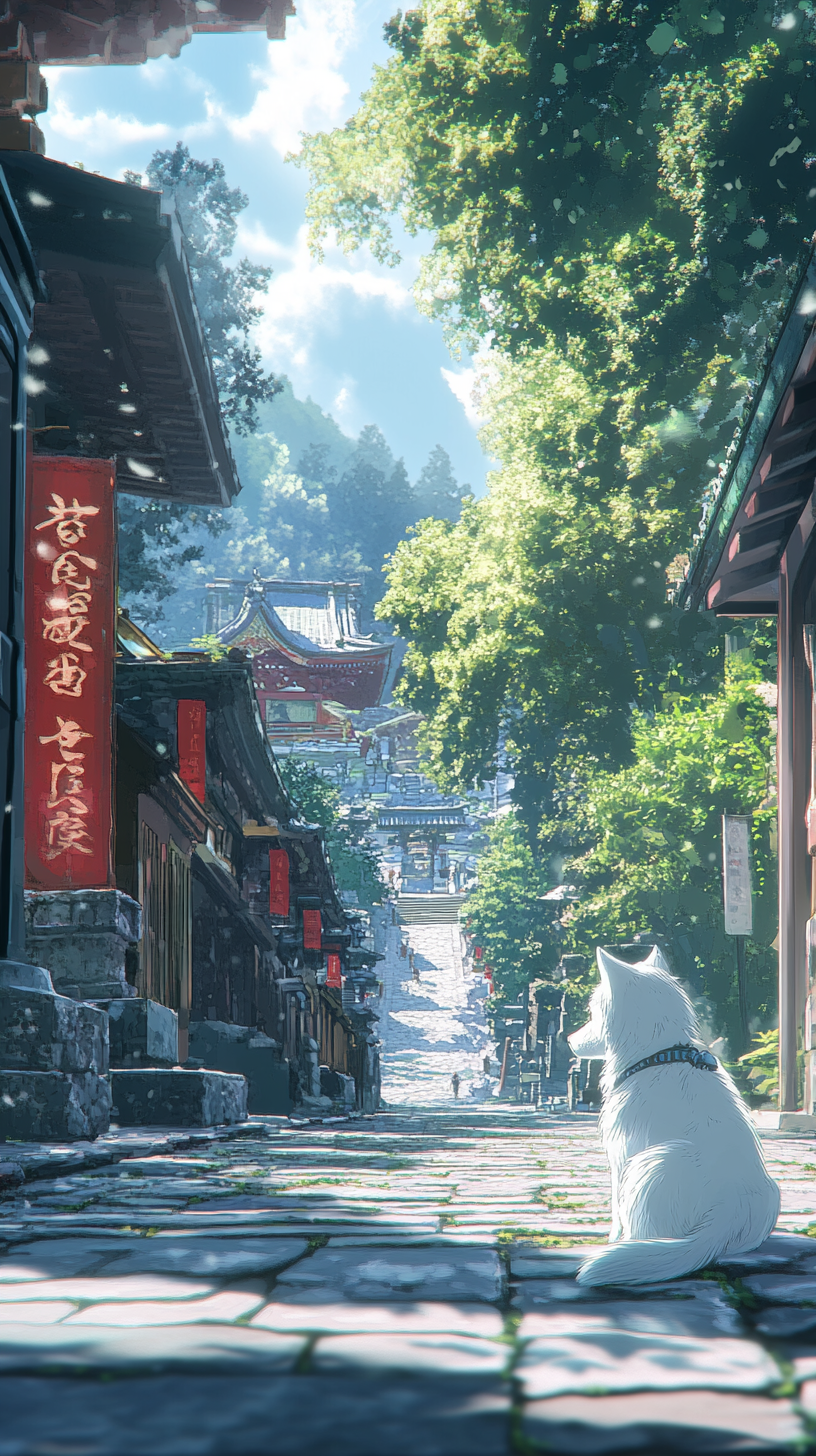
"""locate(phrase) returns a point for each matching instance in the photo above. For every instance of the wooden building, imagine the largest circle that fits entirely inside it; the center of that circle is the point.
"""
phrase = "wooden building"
(309, 658)
(19, 287)
(203, 822)
(756, 557)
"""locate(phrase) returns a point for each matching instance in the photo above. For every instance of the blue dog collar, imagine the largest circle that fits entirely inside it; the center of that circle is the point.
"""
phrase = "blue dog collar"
(704, 1061)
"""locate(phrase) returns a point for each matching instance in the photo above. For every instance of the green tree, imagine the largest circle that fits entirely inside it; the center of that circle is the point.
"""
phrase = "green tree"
(507, 915)
(353, 862)
(437, 490)
(226, 294)
(642, 849)
(616, 197)
(649, 844)
(156, 539)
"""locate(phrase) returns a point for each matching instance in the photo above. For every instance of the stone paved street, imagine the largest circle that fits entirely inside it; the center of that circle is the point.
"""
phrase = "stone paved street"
(400, 1284)
(435, 1026)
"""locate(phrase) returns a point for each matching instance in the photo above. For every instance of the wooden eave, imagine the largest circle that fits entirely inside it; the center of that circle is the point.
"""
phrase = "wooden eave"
(127, 370)
(766, 498)
(103, 33)
(237, 748)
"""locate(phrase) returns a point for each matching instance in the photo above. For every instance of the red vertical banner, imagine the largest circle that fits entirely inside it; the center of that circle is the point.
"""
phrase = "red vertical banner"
(278, 882)
(333, 976)
(312, 930)
(70, 640)
(192, 745)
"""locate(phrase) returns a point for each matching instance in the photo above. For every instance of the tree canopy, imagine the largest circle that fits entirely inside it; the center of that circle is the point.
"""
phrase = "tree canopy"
(354, 863)
(636, 854)
(226, 294)
(616, 196)
(158, 538)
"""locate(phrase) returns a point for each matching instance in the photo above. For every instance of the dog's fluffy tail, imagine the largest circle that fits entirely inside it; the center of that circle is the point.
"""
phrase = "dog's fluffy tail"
(647, 1261)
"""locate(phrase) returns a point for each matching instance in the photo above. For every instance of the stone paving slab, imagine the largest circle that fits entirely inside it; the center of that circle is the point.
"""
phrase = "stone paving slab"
(437, 1355)
(312, 1311)
(129, 1287)
(409, 1273)
(619, 1360)
(688, 1423)
(36, 1159)
(219, 1258)
(783, 1288)
(186, 1348)
(49, 1312)
(227, 1416)
(222, 1308)
(415, 1251)
(536, 1294)
(643, 1316)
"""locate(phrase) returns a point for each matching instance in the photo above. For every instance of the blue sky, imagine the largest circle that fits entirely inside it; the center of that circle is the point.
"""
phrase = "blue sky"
(346, 330)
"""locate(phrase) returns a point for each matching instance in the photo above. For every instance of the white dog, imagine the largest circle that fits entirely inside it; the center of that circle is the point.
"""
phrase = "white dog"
(689, 1184)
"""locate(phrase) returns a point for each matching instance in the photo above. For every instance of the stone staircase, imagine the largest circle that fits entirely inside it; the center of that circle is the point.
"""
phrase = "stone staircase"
(429, 909)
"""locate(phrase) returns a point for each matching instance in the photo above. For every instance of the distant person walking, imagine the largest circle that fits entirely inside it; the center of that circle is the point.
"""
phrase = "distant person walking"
(455, 1081)
(486, 1065)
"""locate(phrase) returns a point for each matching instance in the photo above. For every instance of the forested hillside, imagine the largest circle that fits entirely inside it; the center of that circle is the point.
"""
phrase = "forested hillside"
(315, 503)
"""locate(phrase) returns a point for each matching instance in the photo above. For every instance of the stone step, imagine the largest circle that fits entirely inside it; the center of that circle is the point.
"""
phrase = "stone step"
(429, 909)
(53, 1106)
(43, 1032)
(177, 1098)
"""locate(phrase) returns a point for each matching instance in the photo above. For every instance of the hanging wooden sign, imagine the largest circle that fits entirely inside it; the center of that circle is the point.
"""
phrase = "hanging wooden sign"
(278, 882)
(312, 930)
(70, 642)
(192, 745)
(333, 976)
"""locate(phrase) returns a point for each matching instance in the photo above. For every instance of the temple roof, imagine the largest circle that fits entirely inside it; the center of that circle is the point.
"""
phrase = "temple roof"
(305, 619)
(119, 365)
(99, 32)
(768, 484)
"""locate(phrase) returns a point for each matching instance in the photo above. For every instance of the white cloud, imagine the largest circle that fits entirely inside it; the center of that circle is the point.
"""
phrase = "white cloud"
(462, 383)
(305, 296)
(99, 132)
(302, 87)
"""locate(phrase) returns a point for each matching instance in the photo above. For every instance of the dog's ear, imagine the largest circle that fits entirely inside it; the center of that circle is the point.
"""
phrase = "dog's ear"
(613, 971)
(655, 960)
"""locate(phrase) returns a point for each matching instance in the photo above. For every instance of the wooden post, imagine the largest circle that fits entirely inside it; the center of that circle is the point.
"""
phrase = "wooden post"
(787, 916)
(742, 989)
(793, 765)
(504, 1064)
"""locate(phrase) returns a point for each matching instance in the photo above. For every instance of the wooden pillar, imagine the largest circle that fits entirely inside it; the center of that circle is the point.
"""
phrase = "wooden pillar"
(793, 767)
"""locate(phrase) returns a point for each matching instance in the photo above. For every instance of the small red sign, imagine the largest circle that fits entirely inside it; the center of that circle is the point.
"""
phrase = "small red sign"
(312, 930)
(333, 976)
(70, 643)
(477, 953)
(278, 882)
(192, 745)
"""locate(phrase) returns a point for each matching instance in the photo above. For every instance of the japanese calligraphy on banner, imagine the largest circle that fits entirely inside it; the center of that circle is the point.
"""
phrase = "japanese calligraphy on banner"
(69, 649)
(333, 975)
(312, 930)
(737, 874)
(192, 745)
(278, 882)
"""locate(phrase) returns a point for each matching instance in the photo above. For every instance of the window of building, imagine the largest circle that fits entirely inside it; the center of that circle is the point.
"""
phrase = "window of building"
(278, 711)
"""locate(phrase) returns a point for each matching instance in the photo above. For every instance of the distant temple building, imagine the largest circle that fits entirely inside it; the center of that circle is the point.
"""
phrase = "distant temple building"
(309, 658)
